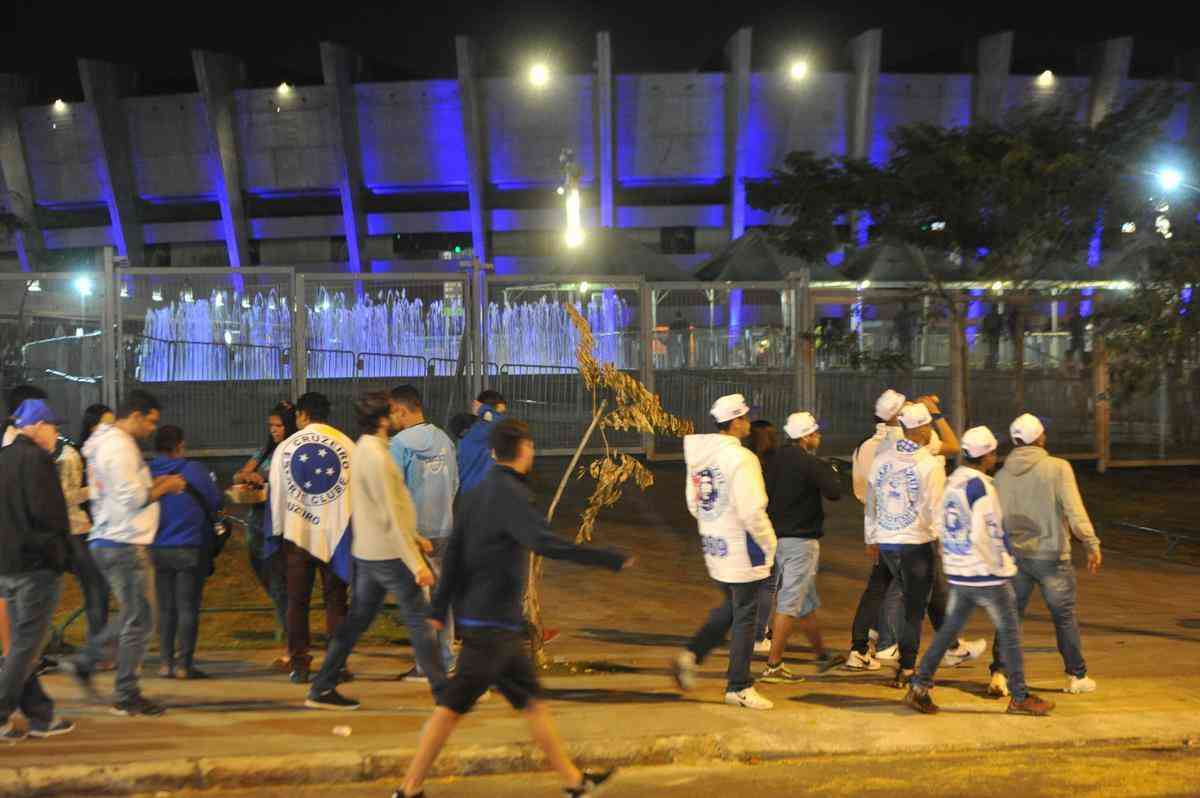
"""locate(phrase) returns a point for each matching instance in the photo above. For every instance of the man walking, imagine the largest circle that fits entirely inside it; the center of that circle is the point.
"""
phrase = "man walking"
(726, 494)
(388, 558)
(425, 455)
(484, 580)
(34, 553)
(310, 520)
(1043, 508)
(979, 569)
(796, 481)
(125, 516)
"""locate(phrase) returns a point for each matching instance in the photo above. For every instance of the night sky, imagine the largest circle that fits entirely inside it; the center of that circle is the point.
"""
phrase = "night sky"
(409, 40)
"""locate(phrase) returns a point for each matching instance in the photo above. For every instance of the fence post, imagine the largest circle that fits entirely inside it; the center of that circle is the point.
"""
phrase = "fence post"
(804, 383)
(479, 286)
(299, 336)
(646, 334)
(1100, 385)
(958, 370)
(110, 331)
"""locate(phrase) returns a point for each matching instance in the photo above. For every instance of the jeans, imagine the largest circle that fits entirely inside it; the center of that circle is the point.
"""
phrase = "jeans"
(373, 580)
(891, 618)
(1000, 603)
(269, 571)
(130, 575)
(1056, 579)
(766, 604)
(445, 635)
(302, 570)
(32, 598)
(912, 564)
(738, 611)
(91, 584)
(179, 574)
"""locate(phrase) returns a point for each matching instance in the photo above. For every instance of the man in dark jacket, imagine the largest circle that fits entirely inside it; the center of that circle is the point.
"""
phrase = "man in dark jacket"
(34, 541)
(796, 481)
(474, 449)
(483, 577)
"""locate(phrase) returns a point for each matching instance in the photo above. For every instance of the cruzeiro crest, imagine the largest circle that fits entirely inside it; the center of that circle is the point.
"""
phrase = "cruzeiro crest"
(316, 469)
(896, 493)
(956, 527)
(711, 495)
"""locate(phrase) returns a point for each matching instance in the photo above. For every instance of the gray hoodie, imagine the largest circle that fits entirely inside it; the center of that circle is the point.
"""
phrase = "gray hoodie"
(1042, 506)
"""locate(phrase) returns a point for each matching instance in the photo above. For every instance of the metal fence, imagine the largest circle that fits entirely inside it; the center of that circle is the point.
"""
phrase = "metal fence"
(221, 346)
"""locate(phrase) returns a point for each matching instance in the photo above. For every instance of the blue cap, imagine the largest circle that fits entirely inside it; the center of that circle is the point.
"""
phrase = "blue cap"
(33, 411)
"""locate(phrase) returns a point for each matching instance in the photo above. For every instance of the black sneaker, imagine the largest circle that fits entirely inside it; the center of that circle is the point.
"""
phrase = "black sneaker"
(10, 733)
(827, 662)
(139, 705)
(594, 782)
(331, 699)
(58, 727)
(300, 673)
(45, 665)
(903, 679)
(192, 673)
(345, 675)
(918, 699)
(83, 678)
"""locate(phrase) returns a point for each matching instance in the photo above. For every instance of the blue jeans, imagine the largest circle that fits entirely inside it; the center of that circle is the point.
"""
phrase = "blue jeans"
(1000, 603)
(32, 598)
(738, 611)
(179, 573)
(912, 565)
(766, 604)
(269, 571)
(373, 580)
(1056, 579)
(445, 635)
(130, 575)
(91, 585)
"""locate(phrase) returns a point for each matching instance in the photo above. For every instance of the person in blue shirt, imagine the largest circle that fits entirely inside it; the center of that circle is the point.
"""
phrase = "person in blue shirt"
(474, 452)
(181, 553)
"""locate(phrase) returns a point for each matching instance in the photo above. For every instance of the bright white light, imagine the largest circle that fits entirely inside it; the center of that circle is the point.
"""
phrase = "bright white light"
(1129, 227)
(583, 287)
(83, 285)
(219, 300)
(60, 107)
(325, 305)
(560, 191)
(228, 337)
(156, 295)
(284, 88)
(539, 75)
(1124, 285)
(124, 292)
(78, 332)
(799, 70)
(1045, 79)
(1170, 179)
(35, 286)
(938, 226)
(188, 296)
(246, 302)
(997, 286)
(864, 285)
(574, 219)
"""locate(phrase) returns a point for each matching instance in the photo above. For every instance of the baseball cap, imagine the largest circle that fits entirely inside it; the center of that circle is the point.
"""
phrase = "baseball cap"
(727, 408)
(1026, 429)
(978, 441)
(915, 415)
(33, 411)
(800, 425)
(889, 404)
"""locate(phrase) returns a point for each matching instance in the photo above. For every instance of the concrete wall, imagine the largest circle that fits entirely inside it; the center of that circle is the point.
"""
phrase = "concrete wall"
(61, 150)
(169, 140)
(943, 100)
(411, 136)
(527, 128)
(787, 115)
(670, 128)
(285, 140)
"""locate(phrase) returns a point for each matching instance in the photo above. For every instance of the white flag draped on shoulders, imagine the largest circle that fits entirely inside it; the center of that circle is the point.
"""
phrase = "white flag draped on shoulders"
(310, 495)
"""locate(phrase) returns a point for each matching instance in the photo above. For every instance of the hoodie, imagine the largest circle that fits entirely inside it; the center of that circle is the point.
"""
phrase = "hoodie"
(426, 457)
(904, 494)
(1042, 506)
(183, 521)
(475, 448)
(119, 478)
(975, 549)
(726, 494)
(864, 455)
(34, 527)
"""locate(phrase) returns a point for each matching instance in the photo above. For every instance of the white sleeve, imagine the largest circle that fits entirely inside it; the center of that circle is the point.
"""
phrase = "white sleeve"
(861, 468)
(987, 532)
(402, 513)
(869, 511)
(935, 487)
(128, 488)
(275, 492)
(689, 494)
(750, 503)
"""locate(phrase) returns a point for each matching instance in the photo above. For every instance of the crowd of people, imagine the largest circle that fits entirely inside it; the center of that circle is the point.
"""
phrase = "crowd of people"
(444, 523)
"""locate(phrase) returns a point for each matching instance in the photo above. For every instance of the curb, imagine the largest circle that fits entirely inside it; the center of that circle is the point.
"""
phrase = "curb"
(240, 772)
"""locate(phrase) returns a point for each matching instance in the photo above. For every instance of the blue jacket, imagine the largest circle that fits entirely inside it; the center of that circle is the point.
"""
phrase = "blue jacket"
(183, 521)
(475, 449)
(426, 457)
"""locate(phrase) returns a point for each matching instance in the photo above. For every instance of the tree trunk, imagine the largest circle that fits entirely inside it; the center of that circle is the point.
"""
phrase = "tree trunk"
(533, 598)
(1018, 340)
(959, 369)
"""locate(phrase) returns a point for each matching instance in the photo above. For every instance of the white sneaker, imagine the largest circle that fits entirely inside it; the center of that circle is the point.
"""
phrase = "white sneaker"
(966, 651)
(762, 646)
(748, 698)
(1076, 685)
(999, 686)
(892, 652)
(859, 662)
(683, 670)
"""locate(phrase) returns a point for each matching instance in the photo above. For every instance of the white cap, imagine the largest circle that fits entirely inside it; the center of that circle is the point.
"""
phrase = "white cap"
(978, 441)
(915, 415)
(889, 404)
(800, 425)
(1026, 429)
(727, 408)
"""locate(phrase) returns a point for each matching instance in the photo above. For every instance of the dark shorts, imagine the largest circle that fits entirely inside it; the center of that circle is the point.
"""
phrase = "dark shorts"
(491, 658)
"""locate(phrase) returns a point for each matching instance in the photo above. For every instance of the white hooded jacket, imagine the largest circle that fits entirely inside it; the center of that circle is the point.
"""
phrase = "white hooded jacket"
(904, 494)
(864, 456)
(975, 548)
(726, 494)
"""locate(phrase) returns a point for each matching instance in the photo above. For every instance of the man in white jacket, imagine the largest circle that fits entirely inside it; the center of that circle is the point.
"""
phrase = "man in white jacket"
(726, 495)
(979, 567)
(904, 493)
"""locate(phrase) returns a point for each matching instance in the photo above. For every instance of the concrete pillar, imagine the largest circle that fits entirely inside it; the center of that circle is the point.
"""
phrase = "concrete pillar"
(1111, 71)
(737, 105)
(336, 64)
(866, 50)
(14, 173)
(605, 138)
(472, 120)
(990, 87)
(102, 86)
(217, 76)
